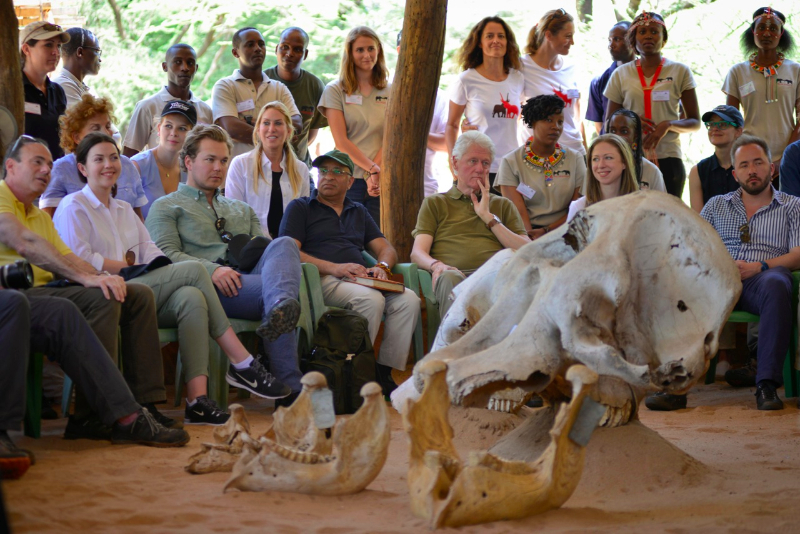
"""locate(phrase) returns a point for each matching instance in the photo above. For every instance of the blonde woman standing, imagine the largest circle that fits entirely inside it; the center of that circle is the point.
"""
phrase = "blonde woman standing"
(355, 106)
(269, 176)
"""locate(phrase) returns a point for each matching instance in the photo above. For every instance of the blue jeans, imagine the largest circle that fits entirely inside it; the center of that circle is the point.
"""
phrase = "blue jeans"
(275, 277)
(769, 295)
(358, 193)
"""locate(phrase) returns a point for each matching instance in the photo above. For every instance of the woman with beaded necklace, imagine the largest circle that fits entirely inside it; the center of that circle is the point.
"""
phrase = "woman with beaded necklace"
(767, 85)
(542, 177)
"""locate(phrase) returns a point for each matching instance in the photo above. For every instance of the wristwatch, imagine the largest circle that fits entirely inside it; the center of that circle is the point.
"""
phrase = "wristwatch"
(385, 267)
(494, 221)
(764, 266)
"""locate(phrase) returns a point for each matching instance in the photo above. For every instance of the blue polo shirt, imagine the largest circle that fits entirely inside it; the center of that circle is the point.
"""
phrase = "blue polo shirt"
(326, 235)
(597, 101)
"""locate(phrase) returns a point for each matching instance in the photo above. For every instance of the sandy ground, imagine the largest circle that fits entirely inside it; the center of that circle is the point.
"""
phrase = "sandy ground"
(718, 466)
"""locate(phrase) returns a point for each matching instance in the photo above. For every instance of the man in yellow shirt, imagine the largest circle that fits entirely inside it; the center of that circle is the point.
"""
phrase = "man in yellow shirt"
(107, 303)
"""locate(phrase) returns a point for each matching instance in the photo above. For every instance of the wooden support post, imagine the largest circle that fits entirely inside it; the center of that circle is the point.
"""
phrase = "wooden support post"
(408, 120)
(12, 95)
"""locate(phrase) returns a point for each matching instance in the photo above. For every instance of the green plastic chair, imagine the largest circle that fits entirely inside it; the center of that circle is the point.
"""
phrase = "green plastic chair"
(431, 305)
(791, 374)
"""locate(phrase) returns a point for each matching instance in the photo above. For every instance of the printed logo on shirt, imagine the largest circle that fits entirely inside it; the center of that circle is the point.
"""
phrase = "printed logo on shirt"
(564, 172)
(505, 110)
(563, 96)
(668, 79)
(781, 81)
(381, 99)
(306, 110)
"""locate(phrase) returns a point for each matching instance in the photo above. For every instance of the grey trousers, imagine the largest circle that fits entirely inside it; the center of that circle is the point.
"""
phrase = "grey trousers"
(135, 319)
(55, 327)
(444, 287)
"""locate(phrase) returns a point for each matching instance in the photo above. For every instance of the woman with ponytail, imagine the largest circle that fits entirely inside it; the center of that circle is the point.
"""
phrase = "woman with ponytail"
(548, 72)
(269, 176)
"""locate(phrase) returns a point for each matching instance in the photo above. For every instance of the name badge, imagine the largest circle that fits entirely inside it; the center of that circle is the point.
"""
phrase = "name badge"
(573, 93)
(660, 96)
(747, 88)
(247, 105)
(35, 109)
(353, 99)
(526, 191)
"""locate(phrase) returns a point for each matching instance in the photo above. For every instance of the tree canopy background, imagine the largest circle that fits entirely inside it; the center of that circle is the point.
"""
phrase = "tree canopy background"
(135, 35)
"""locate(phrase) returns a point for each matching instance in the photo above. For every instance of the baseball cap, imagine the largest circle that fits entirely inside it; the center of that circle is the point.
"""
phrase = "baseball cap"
(726, 113)
(181, 107)
(40, 30)
(337, 156)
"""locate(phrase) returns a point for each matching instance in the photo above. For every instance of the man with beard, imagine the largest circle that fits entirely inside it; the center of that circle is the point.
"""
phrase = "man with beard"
(180, 65)
(621, 53)
(760, 226)
(237, 99)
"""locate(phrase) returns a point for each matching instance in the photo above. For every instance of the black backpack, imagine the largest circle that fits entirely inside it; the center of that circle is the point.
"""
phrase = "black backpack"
(343, 353)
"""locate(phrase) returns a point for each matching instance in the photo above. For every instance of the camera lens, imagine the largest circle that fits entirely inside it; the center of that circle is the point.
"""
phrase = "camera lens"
(17, 275)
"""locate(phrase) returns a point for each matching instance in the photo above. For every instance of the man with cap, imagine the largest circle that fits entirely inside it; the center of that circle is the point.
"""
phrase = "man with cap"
(197, 223)
(306, 89)
(238, 98)
(622, 53)
(39, 47)
(159, 166)
(714, 175)
(180, 64)
(331, 231)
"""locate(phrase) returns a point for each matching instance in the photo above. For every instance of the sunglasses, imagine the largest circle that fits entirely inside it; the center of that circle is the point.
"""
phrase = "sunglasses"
(24, 138)
(130, 255)
(226, 236)
(720, 125)
(744, 233)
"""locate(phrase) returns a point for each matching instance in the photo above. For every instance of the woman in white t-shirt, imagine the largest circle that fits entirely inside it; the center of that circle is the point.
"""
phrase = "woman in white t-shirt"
(609, 175)
(269, 176)
(355, 106)
(654, 88)
(547, 72)
(542, 177)
(489, 91)
(767, 85)
(626, 124)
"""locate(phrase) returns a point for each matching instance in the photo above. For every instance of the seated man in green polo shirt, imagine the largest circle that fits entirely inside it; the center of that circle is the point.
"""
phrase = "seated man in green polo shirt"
(460, 230)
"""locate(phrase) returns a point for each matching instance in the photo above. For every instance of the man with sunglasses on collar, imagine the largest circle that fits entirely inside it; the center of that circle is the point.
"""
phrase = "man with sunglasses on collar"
(760, 226)
(197, 223)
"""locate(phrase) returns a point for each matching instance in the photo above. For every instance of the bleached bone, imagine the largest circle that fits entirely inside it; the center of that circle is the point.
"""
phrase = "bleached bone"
(636, 288)
(294, 426)
(361, 444)
(449, 493)
(228, 442)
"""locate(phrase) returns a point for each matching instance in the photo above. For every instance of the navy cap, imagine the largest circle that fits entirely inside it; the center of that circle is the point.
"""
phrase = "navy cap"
(181, 107)
(726, 113)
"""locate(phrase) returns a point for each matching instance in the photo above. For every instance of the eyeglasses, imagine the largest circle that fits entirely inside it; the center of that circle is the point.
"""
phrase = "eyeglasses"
(744, 233)
(336, 172)
(97, 51)
(720, 125)
(130, 255)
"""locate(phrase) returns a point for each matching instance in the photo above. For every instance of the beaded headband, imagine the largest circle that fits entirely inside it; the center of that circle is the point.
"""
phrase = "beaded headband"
(768, 12)
(645, 19)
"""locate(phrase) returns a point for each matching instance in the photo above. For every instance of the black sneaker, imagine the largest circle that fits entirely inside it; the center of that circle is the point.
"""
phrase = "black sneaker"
(14, 462)
(205, 412)
(282, 319)
(742, 377)
(383, 376)
(257, 380)
(163, 420)
(287, 401)
(767, 397)
(89, 427)
(665, 402)
(145, 430)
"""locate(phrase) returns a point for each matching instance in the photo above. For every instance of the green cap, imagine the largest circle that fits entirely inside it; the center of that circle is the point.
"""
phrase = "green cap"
(337, 156)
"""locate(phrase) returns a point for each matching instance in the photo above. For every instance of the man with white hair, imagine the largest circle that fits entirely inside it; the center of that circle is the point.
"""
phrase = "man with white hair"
(451, 239)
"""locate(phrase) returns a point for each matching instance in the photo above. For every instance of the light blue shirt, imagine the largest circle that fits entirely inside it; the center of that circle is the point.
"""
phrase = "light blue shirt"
(64, 180)
(151, 178)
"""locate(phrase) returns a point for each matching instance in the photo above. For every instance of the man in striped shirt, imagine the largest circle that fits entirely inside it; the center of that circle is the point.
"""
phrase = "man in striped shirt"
(760, 226)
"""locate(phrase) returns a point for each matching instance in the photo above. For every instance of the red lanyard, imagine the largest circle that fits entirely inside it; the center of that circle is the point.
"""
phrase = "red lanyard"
(648, 91)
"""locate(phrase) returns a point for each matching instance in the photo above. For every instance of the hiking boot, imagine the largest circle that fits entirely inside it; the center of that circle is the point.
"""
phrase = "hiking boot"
(163, 420)
(146, 430)
(282, 319)
(742, 377)
(665, 402)
(257, 380)
(14, 462)
(767, 397)
(205, 412)
(89, 427)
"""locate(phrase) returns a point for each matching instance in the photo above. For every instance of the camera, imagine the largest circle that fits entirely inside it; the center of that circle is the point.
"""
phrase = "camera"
(17, 275)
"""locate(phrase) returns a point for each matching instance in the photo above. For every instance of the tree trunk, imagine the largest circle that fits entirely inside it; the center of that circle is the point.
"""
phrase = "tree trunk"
(212, 33)
(117, 18)
(584, 9)
(12, 95)
(408, 120)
